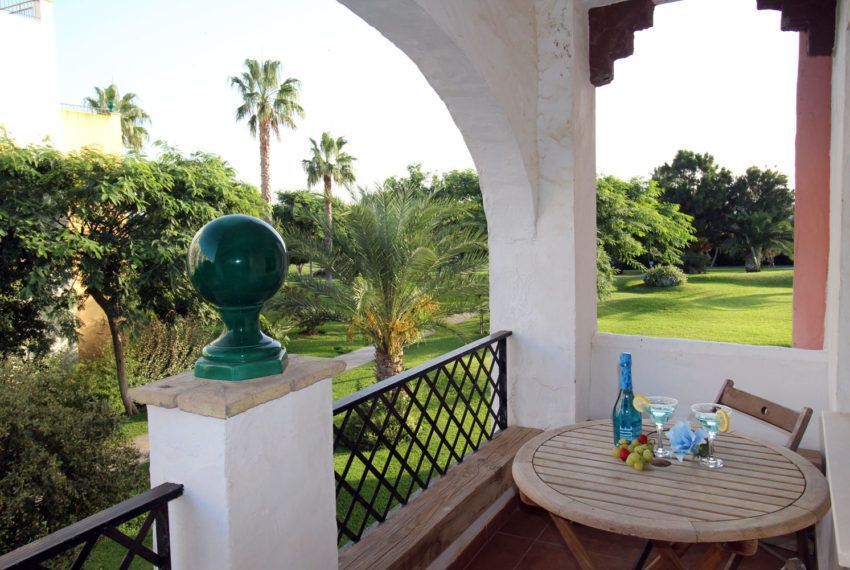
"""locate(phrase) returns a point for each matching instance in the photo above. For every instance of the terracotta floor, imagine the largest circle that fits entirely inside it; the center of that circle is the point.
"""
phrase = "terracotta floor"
(528, 540)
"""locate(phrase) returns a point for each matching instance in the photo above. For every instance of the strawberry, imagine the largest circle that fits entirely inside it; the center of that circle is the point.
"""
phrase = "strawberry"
(642, 438)
(624, 453)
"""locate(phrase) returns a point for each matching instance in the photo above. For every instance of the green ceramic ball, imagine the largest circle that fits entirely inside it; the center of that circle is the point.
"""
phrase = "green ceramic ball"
(237, 261)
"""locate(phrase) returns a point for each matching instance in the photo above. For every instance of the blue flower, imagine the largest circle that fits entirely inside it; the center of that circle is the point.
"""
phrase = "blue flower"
(684, 440)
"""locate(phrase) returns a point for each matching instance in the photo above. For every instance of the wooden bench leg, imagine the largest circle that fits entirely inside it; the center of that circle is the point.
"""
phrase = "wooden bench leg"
(565, 527)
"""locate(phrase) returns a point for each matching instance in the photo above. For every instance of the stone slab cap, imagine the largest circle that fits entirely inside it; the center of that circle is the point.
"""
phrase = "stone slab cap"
(221, 399)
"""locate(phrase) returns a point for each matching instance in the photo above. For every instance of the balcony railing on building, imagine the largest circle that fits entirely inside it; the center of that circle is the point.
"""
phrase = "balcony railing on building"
(391, 441)
(396, 437)
(27, 8)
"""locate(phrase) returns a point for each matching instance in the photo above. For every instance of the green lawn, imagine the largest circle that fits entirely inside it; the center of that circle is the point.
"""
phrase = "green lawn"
(331, 341)
(726, 304)
(429, 347)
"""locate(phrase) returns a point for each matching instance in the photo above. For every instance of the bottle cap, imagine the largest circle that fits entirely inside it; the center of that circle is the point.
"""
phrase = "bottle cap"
(625, 358)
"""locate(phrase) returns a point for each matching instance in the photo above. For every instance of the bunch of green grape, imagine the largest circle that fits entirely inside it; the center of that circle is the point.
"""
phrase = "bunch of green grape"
(636, 453)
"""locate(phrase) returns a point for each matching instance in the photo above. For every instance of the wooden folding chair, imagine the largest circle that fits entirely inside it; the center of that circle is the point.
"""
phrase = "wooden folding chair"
(793, 422)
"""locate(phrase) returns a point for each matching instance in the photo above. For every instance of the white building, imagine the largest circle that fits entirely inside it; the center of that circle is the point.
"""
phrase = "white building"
(30, 109)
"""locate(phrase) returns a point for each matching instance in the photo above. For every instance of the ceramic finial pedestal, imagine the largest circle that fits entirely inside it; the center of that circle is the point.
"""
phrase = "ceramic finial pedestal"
(237, 263)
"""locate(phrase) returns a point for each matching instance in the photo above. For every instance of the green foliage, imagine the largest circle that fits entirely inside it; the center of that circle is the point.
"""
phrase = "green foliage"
(694, 262)
(267, 104)
(758, 235)
(633, 223)
(329, 162)
(154, 350)
(122, 223)
(763, 191)
(604, 273)
(702, 189)
(664, 276)
(157, 350)
(462, 186)
(35, 301)
(298, 211)
(721, 203)
(62, 457)
(398, 267)
(133, 118)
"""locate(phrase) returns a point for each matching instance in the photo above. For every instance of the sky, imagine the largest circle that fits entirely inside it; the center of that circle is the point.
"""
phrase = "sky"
(711, 75)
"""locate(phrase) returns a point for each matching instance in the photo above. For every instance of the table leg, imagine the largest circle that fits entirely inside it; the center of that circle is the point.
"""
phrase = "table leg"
(714, 558)
(669, 557)
(565, 527)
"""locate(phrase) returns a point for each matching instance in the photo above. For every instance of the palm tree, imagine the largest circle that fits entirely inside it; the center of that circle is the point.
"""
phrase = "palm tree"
(268, 104)
(329, 163)
(133, 118)
(756, 234)
(401, 266)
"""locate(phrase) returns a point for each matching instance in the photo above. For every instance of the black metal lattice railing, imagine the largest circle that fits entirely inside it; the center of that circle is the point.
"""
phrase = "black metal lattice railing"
(392, 439)
(66, 541)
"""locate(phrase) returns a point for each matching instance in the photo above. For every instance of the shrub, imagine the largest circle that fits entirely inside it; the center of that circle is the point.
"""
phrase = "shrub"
(664, 276)
(62, 457)
(155, 350)
(694, 262)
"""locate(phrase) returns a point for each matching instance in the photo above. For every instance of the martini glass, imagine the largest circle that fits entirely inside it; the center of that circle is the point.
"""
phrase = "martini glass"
(706, 414)
(661, 408)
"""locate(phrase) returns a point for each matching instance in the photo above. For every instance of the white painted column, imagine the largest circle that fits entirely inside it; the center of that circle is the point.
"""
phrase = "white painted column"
(256, 461)
(543, 283)
(837, 325)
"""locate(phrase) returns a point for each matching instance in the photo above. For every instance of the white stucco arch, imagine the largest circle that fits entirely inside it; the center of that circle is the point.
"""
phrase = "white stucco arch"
(514, 76)
(440, 41)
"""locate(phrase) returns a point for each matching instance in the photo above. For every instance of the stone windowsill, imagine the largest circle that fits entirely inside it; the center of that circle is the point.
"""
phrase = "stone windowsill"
(224, 399)
(836, 441)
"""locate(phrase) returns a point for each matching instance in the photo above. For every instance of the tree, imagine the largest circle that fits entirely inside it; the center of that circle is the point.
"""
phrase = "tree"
(133, 118)
(267, 104)
(763, 191)
(329, 163)
(122, 226)
(298, 211)
(35, 303)
(703, 190)
(755, 235)
(462, 186)
(400, 267)
(634, 224)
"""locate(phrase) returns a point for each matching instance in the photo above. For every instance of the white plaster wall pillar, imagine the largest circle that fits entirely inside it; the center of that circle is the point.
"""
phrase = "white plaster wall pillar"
(837, 330)
(513, 74)
(256, 461)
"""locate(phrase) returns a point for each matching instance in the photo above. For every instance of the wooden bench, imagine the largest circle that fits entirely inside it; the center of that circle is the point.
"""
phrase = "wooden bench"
(416, 534)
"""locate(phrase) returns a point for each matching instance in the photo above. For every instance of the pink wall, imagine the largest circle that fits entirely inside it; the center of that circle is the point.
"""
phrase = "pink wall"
(811, 212)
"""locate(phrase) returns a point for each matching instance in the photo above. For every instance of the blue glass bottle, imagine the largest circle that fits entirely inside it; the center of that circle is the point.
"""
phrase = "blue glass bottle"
(626, 419)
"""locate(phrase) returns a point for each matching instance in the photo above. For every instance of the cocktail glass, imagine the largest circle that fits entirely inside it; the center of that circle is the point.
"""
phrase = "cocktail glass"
(660, 409)
(706, 414)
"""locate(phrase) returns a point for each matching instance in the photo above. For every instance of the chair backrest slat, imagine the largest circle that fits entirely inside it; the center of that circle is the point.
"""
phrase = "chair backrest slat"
(793, 422)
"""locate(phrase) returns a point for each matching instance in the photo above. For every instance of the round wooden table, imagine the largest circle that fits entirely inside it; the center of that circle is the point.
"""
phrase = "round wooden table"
(762, 491)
